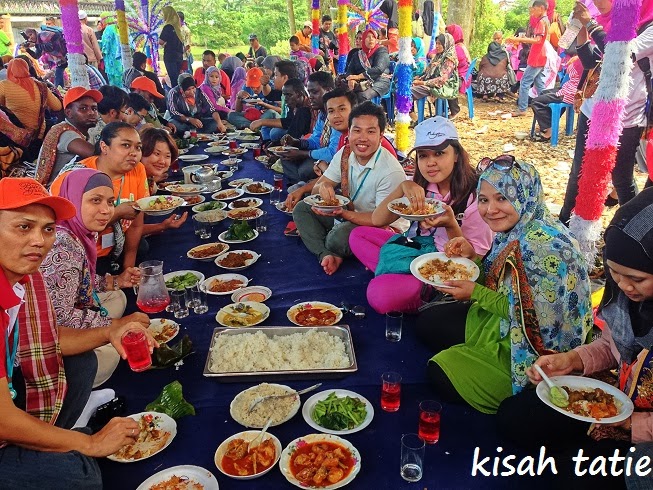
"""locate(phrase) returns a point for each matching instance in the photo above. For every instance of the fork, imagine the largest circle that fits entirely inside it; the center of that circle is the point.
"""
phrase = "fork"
(260, 399)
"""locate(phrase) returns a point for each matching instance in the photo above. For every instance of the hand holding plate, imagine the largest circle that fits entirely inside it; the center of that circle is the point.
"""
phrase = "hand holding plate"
(555, 365)
(460, 290)
(445, 220)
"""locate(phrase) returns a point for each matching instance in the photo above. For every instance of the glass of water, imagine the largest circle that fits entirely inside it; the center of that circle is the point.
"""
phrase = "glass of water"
(412, 457)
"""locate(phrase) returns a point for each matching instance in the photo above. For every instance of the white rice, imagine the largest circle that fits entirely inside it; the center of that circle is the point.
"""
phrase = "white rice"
(254, 352)
(278, 409)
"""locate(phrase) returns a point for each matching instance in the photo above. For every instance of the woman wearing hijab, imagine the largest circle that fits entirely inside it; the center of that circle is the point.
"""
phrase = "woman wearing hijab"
(492, 79)
(419, 56)
(237, 84)
(229, 66)
(625, 345)
(81, 298)
(111, 51)
(368, 73)
(210, 100)
(173, 47)
(440, 79)
(463, 62)
(185, 112)
(534, 298)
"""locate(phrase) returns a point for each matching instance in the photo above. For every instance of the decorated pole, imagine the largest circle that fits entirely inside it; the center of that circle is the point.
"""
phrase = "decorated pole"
(343, 36)
(603, 136)
(123, 32)
(315, 18)
(72, 31)
(404, 75)
(144, 23)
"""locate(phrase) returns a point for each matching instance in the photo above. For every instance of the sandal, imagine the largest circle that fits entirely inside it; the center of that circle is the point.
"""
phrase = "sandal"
(540, 139)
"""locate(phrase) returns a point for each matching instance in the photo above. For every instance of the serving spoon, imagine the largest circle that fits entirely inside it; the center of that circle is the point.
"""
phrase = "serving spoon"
(558, 396)
(259, 438)
(260, 399)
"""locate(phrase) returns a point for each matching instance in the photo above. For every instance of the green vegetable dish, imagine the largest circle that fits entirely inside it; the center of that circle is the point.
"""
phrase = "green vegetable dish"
(335, 413)
(240, 230)
(210, 206)
(182, 282)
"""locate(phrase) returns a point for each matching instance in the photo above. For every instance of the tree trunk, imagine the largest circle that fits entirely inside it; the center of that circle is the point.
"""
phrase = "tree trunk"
(462, 12)
(291, 17)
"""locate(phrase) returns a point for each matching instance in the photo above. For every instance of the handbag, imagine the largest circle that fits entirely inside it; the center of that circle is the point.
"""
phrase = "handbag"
(399, 251)
(449, 90)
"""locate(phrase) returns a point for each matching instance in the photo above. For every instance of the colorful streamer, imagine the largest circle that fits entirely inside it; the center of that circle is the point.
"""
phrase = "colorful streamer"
(343, 36)
(603, 136)
(315, 18)
(72, 31)
(370, 16)
(144, 24)
(123, 33)
(404, 75)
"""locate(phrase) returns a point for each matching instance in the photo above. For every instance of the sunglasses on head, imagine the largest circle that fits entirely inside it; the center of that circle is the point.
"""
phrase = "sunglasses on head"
(502, 163)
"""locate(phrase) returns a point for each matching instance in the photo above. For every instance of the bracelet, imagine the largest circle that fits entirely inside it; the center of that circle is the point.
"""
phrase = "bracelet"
(590, 24)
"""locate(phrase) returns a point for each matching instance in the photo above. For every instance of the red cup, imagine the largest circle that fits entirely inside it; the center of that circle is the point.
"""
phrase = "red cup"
(137, 349)
(257, 152)
(390, 391)
(429, 421)
(233, 144)
(193, 133)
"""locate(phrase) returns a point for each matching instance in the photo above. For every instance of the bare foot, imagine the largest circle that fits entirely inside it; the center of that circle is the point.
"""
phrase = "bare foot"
(330, 263)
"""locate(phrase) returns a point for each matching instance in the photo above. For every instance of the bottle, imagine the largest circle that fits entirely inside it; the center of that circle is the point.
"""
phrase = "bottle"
(571, 32)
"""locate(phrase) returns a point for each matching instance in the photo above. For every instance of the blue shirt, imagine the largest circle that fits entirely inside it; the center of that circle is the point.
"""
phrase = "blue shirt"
(315, 150)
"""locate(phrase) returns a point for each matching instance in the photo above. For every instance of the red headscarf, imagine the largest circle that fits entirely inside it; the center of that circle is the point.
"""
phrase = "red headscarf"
(18, 72)
(645, 13)
(369, 52)
(456, 32)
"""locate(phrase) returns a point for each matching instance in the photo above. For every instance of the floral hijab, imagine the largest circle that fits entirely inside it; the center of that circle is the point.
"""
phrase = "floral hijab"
(212, 92)
(434, 68)
(538, 265)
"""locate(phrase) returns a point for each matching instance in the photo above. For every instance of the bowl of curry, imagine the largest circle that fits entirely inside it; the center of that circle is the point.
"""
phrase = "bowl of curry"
(237, 458)
(314, 314)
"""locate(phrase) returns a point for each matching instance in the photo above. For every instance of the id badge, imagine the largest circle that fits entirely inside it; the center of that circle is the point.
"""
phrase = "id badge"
(108, 240)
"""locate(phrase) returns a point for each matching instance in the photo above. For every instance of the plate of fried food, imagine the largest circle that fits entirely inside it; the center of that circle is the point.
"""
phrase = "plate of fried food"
(435, 268)
(223, 284)
(403, 208)
(247, 455)
(207, 251)
(155, 432)
(228, 194)
(237, 259)
(185, 189)
(209, 206)
(193, 200)
(280, 151)
(204, 137)
(314, 314)
(263, 159)
(158, 205)
(163, 330)
(183, 477)
(590, 400)
(258, 188)
(244, 213)
(278, 410)
(303, 468)
(246, 202)
(240, 182)
(281, 206)
(243, 314)
(234, 152)
(316, 201)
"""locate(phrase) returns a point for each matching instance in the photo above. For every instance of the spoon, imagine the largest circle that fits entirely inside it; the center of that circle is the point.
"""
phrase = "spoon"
(259, 438)
(558, 396)
(259, 399)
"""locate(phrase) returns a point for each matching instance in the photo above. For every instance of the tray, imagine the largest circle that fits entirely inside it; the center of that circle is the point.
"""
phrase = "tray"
(341, 331)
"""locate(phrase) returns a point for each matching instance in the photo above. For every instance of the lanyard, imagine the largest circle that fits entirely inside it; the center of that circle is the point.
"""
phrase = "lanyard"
(367, 172)
(122, 181)
(103, 311)
(624, 374)
(11, 358)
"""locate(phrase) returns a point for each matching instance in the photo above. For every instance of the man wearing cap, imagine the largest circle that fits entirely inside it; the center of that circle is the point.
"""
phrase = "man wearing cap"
(68, 139)
(91, 46)
(304, 35)
(255, 48)
(144, 87)
(44, 389)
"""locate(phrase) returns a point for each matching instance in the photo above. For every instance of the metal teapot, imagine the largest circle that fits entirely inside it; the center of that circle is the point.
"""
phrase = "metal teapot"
(206, 175)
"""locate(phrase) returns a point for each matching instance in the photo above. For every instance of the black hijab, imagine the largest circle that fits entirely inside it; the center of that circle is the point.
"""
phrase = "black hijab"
(496, 53)
(427, 17)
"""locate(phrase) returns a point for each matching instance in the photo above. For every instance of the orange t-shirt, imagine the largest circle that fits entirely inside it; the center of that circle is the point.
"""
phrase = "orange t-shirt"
(130, 187)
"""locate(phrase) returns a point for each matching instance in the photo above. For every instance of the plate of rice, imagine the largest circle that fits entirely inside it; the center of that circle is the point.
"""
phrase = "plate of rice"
(436, 268)
(403, 208)
(281, 409)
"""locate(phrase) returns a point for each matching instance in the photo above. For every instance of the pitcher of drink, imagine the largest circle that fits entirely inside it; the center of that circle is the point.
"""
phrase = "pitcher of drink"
(152, 292)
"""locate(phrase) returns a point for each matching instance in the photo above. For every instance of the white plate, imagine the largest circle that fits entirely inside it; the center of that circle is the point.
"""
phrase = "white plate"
(439, 209)
(230, 309)
(309, 406)
(165, 423)
(201, 200)
(293, 409)
(226, 192)
(243, 294)
(156, 326)
(419, 261)
(582, 383)
(222, 238)
(240, 182)
(269, 188)
(224, 174)
(253, 202)
(183, 151)
(235, 152)
(173, 201)
(218, 144)
(289, 450)
(235, 213)
(198, 208)
(164, 185)
(214, 150)
(249, 436)
(170, 275)
(262, 159)
(294, 310)
(252, 100)
(224, 277)
(186, 189)
(247, 137)
(314, 199)
(248, 262)
(203, 246)
(194, 473)
(231, 162)
(281, 150)
(193, 158)
(250, 146)
(214, 216)
(281, 206)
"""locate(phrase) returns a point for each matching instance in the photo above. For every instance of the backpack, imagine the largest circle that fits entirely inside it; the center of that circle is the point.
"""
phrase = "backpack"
(52, 42)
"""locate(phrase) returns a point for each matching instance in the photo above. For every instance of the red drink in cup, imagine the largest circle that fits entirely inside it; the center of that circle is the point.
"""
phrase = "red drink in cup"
(278, 182)
(429, 421)
(233, 144)
(138, 351)
(257, 152)
(390, 392)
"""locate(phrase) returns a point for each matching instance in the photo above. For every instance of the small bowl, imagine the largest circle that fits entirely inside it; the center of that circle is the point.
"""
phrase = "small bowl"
(249, 436)
(245, 293)
(212, 216)
(521, 135)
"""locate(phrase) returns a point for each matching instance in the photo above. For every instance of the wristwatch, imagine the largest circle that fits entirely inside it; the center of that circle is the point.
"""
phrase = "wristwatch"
(591, 24)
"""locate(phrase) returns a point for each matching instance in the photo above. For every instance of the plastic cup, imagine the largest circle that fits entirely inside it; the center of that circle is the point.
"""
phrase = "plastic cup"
(137, 349)
(393, 323)
(390, 391)
(200, 300)
(412, 457)
(202, 228)
(262, 222)
(429, 421)
(178, 302)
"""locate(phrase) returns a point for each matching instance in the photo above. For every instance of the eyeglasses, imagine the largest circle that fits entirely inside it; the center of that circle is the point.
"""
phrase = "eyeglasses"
(502, 163)
(131, 112)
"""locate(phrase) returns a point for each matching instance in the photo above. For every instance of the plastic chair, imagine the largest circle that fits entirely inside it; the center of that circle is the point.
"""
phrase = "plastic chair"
(468, 90)
(556, 114)
(376, 100)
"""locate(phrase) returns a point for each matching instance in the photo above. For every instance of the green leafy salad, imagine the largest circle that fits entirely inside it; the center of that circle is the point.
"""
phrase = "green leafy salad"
(339, 413)
(210, 206)
(182, 282)
(240, 230)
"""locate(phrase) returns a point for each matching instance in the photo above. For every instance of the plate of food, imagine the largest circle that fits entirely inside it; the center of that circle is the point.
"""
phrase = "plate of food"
(213, 216)
(179, 280)
(242, 315)
(258, 188)
(281, 150)
(280, 410)
(252, 293)
(316, 201)
(238, 232)
(156, 432)
(403, 208)
(214, 150)
(207, 252)
(246, 202)
(186, 189)
(245, 213)
(281, 206)
(193, 158)
(224, 174)
(301, 466)
(223, 284)
(233, 152)
(590, 400)
(247, 137)
(183, 477)
(163, 330)
(435, 268)
(250, 146)
(314, 313)
(262, 159)
(237, 458)
(228, 194)
(158, 205)
(240, 182)
(231, 162)
(338, 412)
(209, 206)
(237, 259)
(193, 200)
(204, 137)
(164, 185)
(218, 144)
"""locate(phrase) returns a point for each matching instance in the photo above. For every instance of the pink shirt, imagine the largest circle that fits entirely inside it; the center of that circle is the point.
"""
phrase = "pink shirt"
(474, 229)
